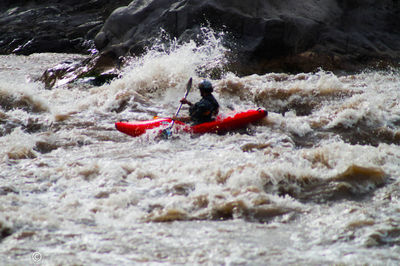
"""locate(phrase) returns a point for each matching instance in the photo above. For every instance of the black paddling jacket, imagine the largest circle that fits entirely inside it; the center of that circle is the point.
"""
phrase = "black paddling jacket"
(204, 110)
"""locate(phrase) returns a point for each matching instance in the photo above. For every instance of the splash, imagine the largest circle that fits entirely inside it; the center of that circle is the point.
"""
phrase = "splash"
(292, 175)
(164, 69)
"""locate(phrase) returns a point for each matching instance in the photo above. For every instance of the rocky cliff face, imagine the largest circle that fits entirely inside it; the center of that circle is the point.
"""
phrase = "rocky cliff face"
(260, 28)
(52, 25)
(264, 35)
(268, 35)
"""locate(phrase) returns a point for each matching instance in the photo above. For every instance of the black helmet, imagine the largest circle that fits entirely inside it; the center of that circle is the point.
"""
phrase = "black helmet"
(206, 86)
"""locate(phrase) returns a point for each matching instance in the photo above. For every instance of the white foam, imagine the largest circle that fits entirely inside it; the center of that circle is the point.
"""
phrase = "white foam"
(94, 193)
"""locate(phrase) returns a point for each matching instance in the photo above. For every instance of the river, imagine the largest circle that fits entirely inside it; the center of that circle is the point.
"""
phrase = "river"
(314, 183)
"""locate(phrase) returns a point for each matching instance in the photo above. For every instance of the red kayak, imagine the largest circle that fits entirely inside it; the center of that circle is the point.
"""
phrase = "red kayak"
(222, 124)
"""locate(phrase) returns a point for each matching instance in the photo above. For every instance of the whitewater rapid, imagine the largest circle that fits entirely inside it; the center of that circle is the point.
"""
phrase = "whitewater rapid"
(316, 182)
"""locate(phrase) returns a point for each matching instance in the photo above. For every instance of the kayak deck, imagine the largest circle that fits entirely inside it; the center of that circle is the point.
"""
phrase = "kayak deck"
(222, 124)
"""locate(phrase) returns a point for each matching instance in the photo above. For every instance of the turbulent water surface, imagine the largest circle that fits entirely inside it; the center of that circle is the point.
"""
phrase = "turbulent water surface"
(316, 182)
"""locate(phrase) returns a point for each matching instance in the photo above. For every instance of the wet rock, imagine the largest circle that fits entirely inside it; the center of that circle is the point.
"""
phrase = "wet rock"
(97, 70)
(52, 25)
(260, 29)
(263, 36)
(61, 74)
(267, 35)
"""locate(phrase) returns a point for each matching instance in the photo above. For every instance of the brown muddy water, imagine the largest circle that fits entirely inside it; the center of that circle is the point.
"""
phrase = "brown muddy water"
(315, 183)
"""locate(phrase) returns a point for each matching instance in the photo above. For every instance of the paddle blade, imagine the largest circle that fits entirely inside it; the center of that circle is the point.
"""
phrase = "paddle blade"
(166, 133)
(188, 87)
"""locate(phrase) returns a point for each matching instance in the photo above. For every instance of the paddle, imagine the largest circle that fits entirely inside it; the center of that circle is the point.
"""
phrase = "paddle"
(166, 133)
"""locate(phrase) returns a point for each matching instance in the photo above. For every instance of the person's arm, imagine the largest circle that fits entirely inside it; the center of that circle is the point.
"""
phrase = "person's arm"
(185, 101)
(182, 118)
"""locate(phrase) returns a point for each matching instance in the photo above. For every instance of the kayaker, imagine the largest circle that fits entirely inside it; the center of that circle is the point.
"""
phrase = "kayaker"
(204, 110)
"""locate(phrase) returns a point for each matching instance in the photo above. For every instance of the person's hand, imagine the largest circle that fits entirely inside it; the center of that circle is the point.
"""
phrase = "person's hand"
(184, 101)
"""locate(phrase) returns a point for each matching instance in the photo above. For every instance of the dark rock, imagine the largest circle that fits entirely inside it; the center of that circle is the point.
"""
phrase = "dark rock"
(263, 35)
(67, 26)
(98, 69)
(285, 35)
